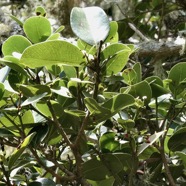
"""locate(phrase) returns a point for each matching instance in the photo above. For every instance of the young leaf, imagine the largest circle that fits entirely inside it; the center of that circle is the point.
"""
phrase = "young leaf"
(90, 24)
(52, 52)
(37, 29)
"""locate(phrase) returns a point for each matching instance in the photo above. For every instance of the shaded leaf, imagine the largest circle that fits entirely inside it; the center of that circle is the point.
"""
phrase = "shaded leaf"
(177, 140)
(177, 75)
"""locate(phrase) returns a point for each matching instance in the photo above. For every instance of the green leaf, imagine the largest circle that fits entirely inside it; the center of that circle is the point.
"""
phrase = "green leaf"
(37, 29)
(16, 43)
(87, 22)
(40, 11)
(129, 76)
(126, 124)
(41, 132)
(85, 46)
(140, 90)
(63, 91)
(156, 86)
(30, 91)
(52, 52)
(118, 102)
(42, 107)
(14, 64)
(177, 140)
(54, 36)
(2, 90)
(61, 28)
(94, 107)
(113, 34)
(114, 162)
(6, 133)
(151, 139)
(33, 99)
(177, 75)
(114, 58)
(19, 22)
(107, 142)
(17, 153)
(138, 70)
(77, 113)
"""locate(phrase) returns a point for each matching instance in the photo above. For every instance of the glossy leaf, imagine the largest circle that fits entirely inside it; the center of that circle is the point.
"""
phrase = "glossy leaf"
(153, 138)
(52, 52)
(16, 43)
(87, 22)
(37, 29)
(33, 99)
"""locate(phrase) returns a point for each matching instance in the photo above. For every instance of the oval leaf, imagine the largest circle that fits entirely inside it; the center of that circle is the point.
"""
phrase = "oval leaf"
(90, 24)
(37, 29)
(15, 44)
(52, 52)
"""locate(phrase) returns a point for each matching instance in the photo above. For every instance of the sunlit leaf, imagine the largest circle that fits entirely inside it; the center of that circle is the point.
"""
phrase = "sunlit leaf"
(52, 52)
(90, 24)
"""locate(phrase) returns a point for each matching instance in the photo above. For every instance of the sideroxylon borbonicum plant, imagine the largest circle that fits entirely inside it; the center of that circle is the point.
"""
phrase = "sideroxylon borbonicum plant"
(80, 114)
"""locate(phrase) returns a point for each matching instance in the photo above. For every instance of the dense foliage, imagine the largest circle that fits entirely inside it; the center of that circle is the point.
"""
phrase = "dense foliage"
(80, 114)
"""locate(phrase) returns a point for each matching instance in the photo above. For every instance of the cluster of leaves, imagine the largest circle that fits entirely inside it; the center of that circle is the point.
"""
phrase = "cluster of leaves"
(77, 114)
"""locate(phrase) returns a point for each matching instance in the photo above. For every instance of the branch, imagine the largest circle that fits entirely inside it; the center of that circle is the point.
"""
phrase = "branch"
(58, 125)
